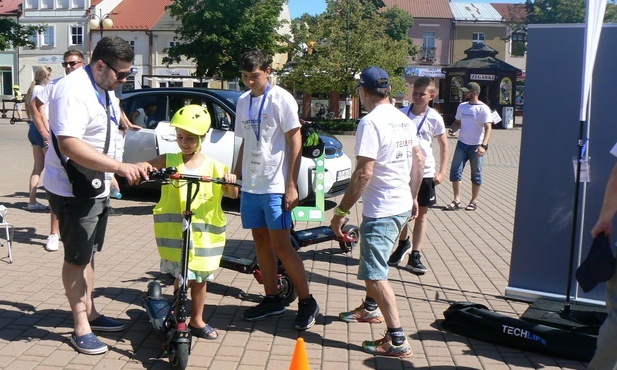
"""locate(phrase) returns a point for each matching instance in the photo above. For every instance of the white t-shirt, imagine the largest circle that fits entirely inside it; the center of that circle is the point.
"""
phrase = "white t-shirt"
(75, 110)
(265, 165)
(472, 117)
(387, 135)
(433, 126)
(141, 118)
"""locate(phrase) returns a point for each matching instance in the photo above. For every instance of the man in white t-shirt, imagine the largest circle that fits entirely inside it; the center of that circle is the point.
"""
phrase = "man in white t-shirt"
(430, 126)
(606, 356)
(268, 164)
(83, 111)
(475, 122)
(389, 169)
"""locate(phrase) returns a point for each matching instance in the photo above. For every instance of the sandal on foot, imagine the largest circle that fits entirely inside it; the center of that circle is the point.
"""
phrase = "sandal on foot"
(471, 207)
(207, 332)
(88, 344)
(453, 206)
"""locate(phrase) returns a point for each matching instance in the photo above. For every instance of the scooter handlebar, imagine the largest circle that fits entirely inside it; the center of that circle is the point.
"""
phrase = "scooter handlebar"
(171, 173)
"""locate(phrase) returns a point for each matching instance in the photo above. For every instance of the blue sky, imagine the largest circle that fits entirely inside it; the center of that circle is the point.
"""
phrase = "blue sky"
(299, 7)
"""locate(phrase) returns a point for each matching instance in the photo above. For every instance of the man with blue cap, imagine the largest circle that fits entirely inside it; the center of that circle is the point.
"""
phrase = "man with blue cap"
(388, 173)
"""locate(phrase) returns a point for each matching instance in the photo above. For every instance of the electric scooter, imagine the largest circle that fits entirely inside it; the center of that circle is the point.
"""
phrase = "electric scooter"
(169, 319)
(299, 239)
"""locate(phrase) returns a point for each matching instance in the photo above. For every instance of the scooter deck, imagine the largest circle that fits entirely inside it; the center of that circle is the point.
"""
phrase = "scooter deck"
(157, 310)
(239, 264)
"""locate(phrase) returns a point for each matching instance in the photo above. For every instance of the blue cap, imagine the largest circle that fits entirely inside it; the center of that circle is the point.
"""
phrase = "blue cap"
(374, 77)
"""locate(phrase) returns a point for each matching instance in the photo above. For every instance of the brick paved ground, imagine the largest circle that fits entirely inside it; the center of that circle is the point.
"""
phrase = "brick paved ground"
(467, 253)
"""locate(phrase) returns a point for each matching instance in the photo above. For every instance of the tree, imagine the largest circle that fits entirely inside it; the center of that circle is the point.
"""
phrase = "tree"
(213, 33)
(549, 12)
(14, 35)
(331, 49)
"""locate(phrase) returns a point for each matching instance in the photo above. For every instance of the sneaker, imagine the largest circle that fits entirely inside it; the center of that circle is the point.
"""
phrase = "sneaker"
(88, 344)
(37, 207)
(415, 265)
(307, 312)
(53, 243)
(104, 323)
(269, 307)
(384, 347)
(403, 248)
(360, 314)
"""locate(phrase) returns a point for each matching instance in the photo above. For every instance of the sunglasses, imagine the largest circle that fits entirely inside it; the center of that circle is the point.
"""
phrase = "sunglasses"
(119, 75)
(72, 64)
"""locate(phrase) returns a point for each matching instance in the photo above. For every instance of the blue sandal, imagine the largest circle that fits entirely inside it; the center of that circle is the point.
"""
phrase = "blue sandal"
(207, 332)
(88, 344)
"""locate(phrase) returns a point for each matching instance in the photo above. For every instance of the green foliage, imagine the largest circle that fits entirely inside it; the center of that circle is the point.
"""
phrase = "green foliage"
(14, 35)
(337, 125)
(213, 33)
(331, 49)
(551, 11)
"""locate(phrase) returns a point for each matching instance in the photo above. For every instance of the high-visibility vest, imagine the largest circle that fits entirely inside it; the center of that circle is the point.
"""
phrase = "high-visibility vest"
(207, 234)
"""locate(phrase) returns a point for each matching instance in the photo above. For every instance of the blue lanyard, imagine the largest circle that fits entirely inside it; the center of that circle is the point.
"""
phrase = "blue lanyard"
(98, 97)
(261, 108)
(423, 118)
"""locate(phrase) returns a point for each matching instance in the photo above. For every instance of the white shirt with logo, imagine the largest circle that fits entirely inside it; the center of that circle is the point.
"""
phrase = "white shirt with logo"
(387, 135)
(433, 126)
(472, 117)
(265, 162)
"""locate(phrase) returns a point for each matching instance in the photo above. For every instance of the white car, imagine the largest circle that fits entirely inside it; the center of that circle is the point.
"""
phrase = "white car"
(158, 137)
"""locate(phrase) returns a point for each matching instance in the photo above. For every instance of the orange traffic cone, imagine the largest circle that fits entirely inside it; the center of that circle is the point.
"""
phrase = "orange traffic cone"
(299, 361)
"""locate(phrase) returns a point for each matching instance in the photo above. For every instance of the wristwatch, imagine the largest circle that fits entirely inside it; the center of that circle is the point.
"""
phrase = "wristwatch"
(485, 146)
(338, 211)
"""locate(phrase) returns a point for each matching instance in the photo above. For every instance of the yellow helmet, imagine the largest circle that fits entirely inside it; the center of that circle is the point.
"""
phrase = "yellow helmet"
(192, 118)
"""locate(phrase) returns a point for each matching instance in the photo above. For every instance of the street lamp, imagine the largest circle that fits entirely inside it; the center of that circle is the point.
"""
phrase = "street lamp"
(100, 21)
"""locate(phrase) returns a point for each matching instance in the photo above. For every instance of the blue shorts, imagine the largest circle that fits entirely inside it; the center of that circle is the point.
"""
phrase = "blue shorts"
(379, 236)
(35, 136)
(462, 154)
(264, 210)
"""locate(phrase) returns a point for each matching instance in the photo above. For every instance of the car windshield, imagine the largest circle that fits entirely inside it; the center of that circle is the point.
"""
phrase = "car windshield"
(231, 96)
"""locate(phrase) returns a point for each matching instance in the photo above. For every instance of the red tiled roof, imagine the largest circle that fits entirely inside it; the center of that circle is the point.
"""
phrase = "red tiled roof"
(508, 11)
(9, 7)
(95, 2)
(138, 14)
(423, 8)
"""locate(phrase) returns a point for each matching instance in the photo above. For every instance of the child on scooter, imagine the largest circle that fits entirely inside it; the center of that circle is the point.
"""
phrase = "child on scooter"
(208, 223)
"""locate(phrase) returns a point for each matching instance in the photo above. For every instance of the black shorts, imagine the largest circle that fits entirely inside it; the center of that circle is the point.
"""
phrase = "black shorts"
(426, 195)
(82, 226)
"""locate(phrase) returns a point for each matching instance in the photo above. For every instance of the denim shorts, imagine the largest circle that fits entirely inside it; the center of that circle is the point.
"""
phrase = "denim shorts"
(82, 226)
(264, 210)
(379, 236)
(462, 154)
(35, 136)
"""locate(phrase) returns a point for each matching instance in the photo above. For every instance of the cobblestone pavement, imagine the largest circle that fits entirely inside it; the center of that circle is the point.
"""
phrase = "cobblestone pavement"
(467, 254)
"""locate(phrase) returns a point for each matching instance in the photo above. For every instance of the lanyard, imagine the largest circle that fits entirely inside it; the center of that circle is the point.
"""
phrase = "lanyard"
(98, 97)
(423, 118)
(261, 108)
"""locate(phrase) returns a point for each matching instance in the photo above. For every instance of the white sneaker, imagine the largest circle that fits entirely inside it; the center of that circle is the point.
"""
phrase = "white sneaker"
(53, 243)
(37, 207)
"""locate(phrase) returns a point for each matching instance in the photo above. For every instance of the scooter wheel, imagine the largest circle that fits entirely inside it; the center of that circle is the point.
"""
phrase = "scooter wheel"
(179, 356)
(13, 120)
(154, 290)
(353, 232)
(287, 289)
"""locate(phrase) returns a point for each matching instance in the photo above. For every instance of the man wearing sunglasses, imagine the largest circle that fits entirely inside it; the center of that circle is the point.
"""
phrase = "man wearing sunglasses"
(84, 117)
